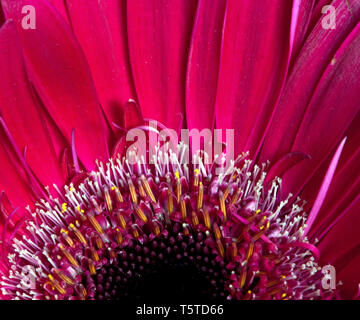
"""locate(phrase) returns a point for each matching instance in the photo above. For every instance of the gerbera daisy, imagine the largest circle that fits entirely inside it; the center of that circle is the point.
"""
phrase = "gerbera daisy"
(85, 215)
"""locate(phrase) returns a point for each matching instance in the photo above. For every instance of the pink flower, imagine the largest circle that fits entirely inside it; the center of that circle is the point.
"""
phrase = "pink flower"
(89, 71)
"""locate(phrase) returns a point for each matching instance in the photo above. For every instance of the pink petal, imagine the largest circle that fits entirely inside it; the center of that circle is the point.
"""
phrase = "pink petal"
(61, 76)
(331, 110)
(284, 164)
(116, 16)
(253, 65)
(22, 115)
(93, 30)
(159, 38)
(349, 275)
(324, 188)
(203, 65)
(12, 181)
(61, 8)
(316, 54)
(344, 187)
(305, 10)
(341, 247)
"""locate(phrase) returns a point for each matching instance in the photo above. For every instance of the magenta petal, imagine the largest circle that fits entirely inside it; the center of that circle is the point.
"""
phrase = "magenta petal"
(12, 181)
(203, 64)
(21, 113)
(61, 76)
(350, 277)
(159, 37)
(331, 110)
(305, 10)
(324, 188)
(315, 56)
(92, 29)
(343, 190)
(253, 65)
(61, 8)
(341, 247)
(284, 164)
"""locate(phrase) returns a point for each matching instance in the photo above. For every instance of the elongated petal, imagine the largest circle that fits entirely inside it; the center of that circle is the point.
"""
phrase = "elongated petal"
(20, 112)
(344, 187)
(116, 16)
(159, 38)
(12, 181)
(315, 56)
(331, 110)
(305, 11)
(203, 65)
(349, 275)
(341, 247)
(91, 27)
(324, 187)
(61, 76)
(254, 61)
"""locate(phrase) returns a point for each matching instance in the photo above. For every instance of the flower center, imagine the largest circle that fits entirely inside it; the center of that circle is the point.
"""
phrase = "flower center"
(182, 265)
(165, 230)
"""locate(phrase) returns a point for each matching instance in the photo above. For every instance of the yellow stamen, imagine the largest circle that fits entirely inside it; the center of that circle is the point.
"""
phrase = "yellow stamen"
(236, 196)
(222, 204)
(140, 213)
(135, 232)
(196, 177)
(242, 278)
(68, 255)
(234, 250)
(64, 277)
(108, 200)
(200, 196)
(82, 291)
(79, 209)
(78, 234)
(141, 190)
(194, 219)
(96, 205)
(250, 250)
(206, 217)
(148, 189)
(92, 267)
(227, 191)
(94, 254)
(119, 237)
(156, 228)
(217, 231)
(95, 224)
(170, 202)
(132, 191)
(183, 208)
(64, 207)
(67, 238)
(178, 190)
(121, 220)
(220, 248)
(56, 284)
(118, 194)
(99, 242)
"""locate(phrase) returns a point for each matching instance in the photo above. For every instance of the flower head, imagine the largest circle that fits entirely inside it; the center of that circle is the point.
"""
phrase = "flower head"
(84, 216)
